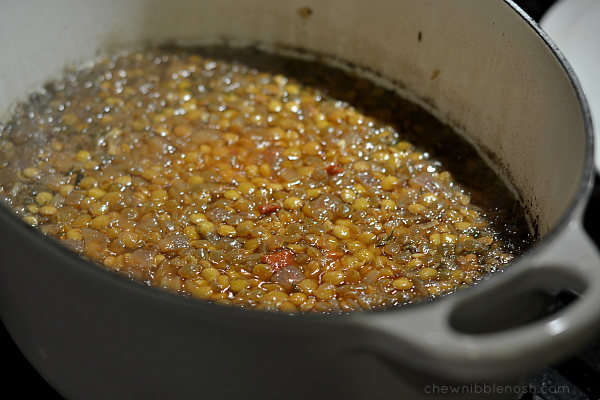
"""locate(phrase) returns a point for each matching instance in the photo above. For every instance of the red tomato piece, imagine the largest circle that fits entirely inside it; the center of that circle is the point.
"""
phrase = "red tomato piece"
(334, 169)
(279, 259)
(334, 255)
(268, 208)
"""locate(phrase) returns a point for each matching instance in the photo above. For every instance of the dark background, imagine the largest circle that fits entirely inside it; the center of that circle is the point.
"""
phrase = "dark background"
(581, 372)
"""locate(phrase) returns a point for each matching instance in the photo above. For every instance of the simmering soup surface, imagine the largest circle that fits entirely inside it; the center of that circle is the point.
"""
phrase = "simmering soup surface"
(256, 181)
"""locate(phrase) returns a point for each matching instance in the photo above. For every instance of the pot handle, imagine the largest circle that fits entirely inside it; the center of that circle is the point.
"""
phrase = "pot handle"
(468, 336)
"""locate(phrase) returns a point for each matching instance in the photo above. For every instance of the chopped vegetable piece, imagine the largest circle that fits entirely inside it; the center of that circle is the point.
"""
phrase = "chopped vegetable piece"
(268, 208)
(279, 259)
(334, 169)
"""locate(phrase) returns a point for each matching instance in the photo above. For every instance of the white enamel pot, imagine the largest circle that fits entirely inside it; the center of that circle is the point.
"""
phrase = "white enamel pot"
(483, 67)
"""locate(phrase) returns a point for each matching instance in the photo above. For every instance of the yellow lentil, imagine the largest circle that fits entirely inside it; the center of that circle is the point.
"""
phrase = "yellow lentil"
(402, 284)
(43, 198)
(31, 172)
(341, 232)
(226, 230)
(292, 203)
(361, 204)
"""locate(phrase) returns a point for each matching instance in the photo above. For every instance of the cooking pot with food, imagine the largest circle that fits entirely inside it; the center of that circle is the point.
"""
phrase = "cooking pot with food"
(486, 70)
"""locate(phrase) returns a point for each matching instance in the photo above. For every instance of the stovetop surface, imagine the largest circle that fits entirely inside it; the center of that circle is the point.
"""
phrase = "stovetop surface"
(577, 378)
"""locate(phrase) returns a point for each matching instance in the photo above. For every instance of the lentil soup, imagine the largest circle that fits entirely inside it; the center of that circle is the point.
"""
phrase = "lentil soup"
(257, 181)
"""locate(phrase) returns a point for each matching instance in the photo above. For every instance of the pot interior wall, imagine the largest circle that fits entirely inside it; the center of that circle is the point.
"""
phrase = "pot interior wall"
(477, 66)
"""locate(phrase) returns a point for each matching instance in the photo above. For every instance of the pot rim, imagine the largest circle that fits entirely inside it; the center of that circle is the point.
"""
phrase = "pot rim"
(574, 212)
